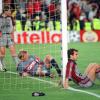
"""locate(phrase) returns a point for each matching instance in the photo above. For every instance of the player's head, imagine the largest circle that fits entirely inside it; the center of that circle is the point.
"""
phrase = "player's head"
(72, 53)
(7, 10)
(23, 55)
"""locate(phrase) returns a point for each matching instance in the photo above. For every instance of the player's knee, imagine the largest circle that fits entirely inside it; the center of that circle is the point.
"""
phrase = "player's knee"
(93, 65)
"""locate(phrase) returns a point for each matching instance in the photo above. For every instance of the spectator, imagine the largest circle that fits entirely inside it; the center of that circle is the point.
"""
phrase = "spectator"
(20, 15)
(72, 16)
(30, 9)
(37, 8)
(93, 11)
(82, 20)
(52, 12)
(30, 12)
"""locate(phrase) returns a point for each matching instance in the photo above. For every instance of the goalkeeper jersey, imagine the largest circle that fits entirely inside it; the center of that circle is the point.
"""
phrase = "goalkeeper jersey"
(31, 65)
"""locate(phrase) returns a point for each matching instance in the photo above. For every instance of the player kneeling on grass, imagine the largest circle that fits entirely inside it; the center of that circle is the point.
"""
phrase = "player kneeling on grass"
(32, 65)
(72, 73)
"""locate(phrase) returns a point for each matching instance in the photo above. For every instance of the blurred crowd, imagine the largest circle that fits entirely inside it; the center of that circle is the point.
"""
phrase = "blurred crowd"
(46, 14)
(83, 14)
(35, 14)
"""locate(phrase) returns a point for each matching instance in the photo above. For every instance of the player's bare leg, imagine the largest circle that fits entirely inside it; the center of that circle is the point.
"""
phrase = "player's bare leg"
(13, 54)
(2, 54)
(91, 71)
(90, 66)
(50, 61)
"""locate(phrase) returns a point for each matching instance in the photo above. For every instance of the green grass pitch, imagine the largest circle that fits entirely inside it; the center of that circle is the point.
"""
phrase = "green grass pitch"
(14, 87)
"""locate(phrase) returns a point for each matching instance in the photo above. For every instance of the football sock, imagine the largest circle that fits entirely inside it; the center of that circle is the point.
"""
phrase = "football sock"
(54, 64)
(16, 60)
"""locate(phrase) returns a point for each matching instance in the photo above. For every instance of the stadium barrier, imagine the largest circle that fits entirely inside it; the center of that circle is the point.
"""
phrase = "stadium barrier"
(39, 25)
(88, 25)
(41, 37)
(31, 37)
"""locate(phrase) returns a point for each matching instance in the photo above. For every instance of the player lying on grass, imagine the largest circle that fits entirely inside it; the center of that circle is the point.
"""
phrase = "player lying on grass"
(72, 73)
(32, 65)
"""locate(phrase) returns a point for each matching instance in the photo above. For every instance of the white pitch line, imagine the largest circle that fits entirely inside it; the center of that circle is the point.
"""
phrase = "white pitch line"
(55, 84)
(49, 82)
(86, 92)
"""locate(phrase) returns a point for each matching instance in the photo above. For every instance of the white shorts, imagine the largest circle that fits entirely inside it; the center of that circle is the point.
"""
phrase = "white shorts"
(86, 83)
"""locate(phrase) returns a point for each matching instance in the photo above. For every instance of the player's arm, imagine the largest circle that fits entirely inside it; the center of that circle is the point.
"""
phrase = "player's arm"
(12, 34)
(68, 75)
(13, 30)
(66, 83)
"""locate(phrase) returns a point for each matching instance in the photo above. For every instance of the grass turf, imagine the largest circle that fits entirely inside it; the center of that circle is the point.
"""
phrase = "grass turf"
(14, 87)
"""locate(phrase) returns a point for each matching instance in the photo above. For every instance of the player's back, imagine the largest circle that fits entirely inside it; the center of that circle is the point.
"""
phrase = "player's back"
(23, 64)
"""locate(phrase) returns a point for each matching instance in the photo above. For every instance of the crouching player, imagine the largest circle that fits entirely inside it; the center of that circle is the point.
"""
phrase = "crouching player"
(32, 65)
(72, 73)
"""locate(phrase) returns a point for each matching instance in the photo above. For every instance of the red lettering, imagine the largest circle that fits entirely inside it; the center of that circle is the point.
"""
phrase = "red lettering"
(19, 39)
(34, 38)
(25, 37)
(42, 37)
(56, 38)
(48, 37)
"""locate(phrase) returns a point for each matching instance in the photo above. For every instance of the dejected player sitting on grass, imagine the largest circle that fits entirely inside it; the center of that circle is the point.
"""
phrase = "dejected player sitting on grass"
(32, 65)
(87, 80)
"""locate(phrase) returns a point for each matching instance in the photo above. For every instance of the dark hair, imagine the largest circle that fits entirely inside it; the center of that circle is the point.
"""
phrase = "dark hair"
(71, 52)
(6, 8)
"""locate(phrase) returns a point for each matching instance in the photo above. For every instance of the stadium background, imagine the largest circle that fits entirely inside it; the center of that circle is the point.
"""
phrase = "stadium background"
(29, 35)
(42, 15)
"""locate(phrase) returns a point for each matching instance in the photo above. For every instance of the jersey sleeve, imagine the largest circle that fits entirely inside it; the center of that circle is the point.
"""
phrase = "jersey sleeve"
(69, 70)
(20, 67)
(13, 21)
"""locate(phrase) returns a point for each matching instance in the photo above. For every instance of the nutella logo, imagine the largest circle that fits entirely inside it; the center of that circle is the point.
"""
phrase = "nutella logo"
(37, 37)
